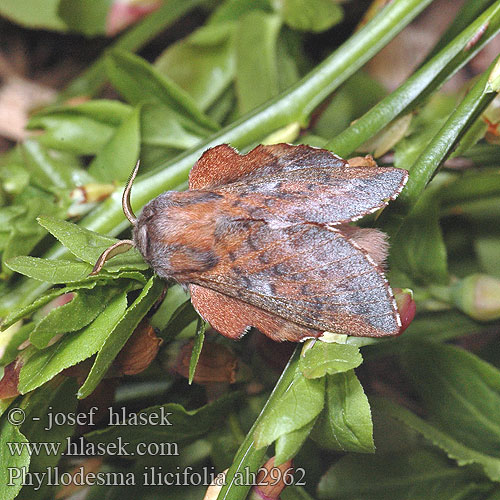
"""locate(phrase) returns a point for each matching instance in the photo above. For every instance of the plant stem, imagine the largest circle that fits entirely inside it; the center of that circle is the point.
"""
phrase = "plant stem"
(94, 77)
(295, 104)
(427, 79)
(443, 143)
(248, 459)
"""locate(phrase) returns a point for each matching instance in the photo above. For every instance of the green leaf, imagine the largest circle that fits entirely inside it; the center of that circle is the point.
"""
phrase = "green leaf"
(85, 16)
(118, 335)
(52, 271)
(202, 64)
(288, 445)
(51, 170)
(33, 13)
(88, 245)
(72, 348)
(256, 64)
(26, 311)
(184, 425)
(11, 461)
(232, 10)
(183, 315)
(419, 249)
(82, 129)
(197, 347)
(310, 15)
(58, 397)
(346, 423)
(301, 403)
(10, 340)
(119, 155)
(455, 449)
(488, 250)
(140, 82)
(329, 358)
(461, 393)
(417, 474)
(85, 306)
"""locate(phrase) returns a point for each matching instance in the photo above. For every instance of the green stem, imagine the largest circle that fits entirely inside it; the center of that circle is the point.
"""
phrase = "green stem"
(443, 143)
(248, 458)
(427, 79)
(292, 105)
(94, 77)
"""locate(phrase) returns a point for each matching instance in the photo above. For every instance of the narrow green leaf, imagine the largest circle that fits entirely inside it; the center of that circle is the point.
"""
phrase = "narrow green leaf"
(88, 245)
(181, 317)
(301, 403)
(197, 347)
(72, 348)
(58, 397)
(26, 311)
(140, 82)
(119, 155)
(52, 271)
(329, 358)
(116, 337)
(12, 462)
(177, 425)
(414, 474)
(462, 394)
(256, 64)
(85, 306)
(455, 449)
(346, 423)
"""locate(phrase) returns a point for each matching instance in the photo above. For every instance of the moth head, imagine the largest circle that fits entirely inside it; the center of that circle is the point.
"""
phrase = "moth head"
(123, 245)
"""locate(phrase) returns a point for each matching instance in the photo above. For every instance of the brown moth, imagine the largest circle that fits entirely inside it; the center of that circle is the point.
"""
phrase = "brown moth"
(263, 240)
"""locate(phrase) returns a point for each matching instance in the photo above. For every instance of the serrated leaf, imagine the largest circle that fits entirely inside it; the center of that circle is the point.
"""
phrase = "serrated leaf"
(118, 335)
(346, 423)
(197, 347)
(301, 403)
(72, 348)
(52, 271)
(88, 245)
(329, 358)
(84, 307)
(117, 158)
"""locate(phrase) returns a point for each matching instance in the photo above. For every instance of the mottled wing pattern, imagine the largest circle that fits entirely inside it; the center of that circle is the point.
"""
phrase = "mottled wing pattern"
(222, 164)
(316, 194)
(307, 274)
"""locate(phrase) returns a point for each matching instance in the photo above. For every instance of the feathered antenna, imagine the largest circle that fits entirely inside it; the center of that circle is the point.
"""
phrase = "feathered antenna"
(123, 245)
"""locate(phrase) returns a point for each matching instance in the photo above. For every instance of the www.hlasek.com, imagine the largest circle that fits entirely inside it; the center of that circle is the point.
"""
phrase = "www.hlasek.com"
(151, 476)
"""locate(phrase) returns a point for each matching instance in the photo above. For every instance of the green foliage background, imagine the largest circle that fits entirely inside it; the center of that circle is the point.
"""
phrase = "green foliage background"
(424, 422)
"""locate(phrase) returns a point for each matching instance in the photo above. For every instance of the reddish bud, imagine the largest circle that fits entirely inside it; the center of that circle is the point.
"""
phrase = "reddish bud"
(216, 363)
(139, 351)
(124, 13)
(272, 480)
(406, 306)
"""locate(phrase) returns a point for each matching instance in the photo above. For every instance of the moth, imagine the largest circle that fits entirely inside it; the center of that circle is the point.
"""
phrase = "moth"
(264, 240)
